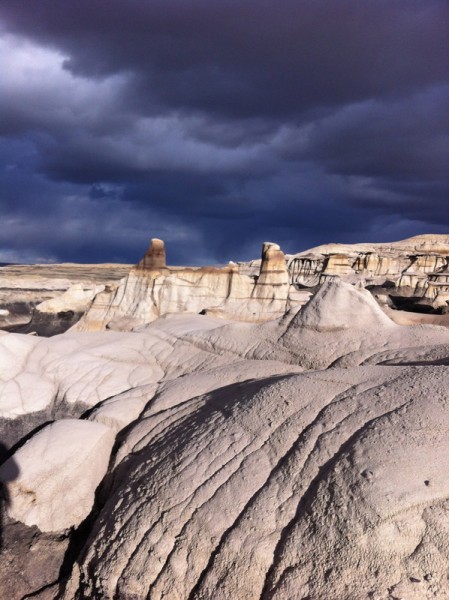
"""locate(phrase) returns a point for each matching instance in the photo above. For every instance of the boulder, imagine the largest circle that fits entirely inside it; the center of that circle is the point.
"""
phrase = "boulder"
(59, 469)
(76, 299)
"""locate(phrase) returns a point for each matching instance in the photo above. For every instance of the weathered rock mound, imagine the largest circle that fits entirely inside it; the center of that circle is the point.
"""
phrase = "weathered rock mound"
(327, 486)
(59, 470)
(338, 305)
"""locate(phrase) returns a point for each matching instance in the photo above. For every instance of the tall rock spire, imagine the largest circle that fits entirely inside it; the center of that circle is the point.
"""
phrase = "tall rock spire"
(273, 269)
(273, 281)
(155, 256)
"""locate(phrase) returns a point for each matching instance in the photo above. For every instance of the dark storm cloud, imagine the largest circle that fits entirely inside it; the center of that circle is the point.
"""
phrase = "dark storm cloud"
(246, 58)
(407, 137)
(219, 124)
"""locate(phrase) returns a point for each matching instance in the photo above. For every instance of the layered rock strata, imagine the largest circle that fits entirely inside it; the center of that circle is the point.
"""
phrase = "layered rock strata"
(266, 289)
(437, 287)
(412, 266)
(152, 289)
(48, 299)
(406, 275)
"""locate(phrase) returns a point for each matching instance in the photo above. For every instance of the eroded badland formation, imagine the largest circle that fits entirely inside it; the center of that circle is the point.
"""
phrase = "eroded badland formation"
(268, 430)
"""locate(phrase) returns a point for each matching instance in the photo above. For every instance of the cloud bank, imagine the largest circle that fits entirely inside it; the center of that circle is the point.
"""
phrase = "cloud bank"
(218, 125)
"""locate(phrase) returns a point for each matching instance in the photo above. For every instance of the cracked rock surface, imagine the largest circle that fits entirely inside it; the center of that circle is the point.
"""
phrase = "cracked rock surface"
(201, 459)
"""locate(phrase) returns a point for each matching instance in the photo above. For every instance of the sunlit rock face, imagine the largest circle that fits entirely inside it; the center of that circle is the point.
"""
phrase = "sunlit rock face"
(50, 464)
(406, 274)
(336, 264)
(413, 279)
(267, 288)
(270, 293)
(152, 290)
(426, 254)
(437, 288)
(412, 266)
(155, 257)
(273, 268)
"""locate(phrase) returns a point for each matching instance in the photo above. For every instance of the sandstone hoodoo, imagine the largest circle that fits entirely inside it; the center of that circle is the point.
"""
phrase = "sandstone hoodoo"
(273, 268)
(153, 289)
(407, 275)
(154, 258)
(273, 280)
(234, 433)
(399, 274)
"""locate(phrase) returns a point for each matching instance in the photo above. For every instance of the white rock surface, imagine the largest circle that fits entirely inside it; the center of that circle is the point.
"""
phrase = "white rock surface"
(306, 485)
(14, 350)
(76, 298)
(338, 305)
(304, 457)
(152, 290)
(59, 469)
(123, 409)
(86, 369)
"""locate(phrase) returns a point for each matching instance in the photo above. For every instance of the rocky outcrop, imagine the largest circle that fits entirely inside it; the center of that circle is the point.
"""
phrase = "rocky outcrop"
(63, 291)
(152, 290)
(406, 274)
(410, 266)
(437, 289)
(273, 270)
(56, 491)
(375, 268)
(155, 258)
(413, 279)
(336, 264)
(76, 298)
(306, 270)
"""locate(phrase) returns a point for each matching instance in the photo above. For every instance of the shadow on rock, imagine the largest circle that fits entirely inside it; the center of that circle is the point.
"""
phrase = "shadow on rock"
(8, 472)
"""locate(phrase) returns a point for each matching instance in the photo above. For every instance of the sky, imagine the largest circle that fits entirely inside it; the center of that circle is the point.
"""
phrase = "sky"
(217, 125)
